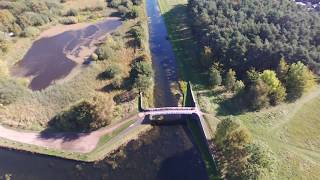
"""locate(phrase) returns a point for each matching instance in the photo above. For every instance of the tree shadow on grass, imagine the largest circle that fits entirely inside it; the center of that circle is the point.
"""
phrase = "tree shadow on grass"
(186, 49)
(233, 106)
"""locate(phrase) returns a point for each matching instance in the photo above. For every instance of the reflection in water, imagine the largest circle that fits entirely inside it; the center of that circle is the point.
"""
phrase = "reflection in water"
(49, 58)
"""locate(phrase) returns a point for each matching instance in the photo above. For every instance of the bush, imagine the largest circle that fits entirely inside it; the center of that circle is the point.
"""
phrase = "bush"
(134, 12)
(10, 91)
(117, 82)
(137, 2)
(111, 72)
(32, 19)
(72, 12)
(104, 52)
(123, 11)
(114, 3)
(141, 67)
(30, 32)
(83, 117)
(4, 45)
(142, 83)
(68, 20)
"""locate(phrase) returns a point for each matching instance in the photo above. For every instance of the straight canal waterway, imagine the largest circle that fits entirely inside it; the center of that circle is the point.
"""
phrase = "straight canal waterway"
(164, 153)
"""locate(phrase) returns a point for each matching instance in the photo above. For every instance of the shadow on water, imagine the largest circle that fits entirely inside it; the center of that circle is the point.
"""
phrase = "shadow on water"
(153, 156)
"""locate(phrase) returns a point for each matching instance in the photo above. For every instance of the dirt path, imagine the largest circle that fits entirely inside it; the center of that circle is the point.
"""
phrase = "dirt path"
(74, 142)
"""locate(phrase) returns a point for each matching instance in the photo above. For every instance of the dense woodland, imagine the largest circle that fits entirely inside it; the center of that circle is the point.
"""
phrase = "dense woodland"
(254, 33)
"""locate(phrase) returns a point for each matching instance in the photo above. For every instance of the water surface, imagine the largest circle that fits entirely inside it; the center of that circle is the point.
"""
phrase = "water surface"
(49, 58)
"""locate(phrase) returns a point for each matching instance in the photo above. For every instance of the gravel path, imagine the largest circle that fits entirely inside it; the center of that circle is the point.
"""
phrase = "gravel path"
(74, 142)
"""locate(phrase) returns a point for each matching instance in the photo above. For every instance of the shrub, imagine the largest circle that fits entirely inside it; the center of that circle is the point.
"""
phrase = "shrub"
(112, 71)
(142, 83)
(138, 34)
(6, 19)
(104, 52)
(114, 3)
(10, 91)
(32, 19)
(123, 11)
(68, 20)
(141, 67)
(137, 2)
(4, 45)
(117, 82)
(83, 117)
(134, 12)
(72, 12)
(30, 32)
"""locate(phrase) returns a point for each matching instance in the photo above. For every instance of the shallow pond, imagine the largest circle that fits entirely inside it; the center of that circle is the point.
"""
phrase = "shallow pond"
(51, 58)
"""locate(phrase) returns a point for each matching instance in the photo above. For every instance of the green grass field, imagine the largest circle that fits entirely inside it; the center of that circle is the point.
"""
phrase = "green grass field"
(291, 130)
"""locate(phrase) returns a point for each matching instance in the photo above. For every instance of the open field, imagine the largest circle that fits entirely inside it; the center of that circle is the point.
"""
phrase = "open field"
(291, 130)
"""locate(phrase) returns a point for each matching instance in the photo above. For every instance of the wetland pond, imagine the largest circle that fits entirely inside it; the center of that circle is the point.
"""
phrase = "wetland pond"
(55, 54)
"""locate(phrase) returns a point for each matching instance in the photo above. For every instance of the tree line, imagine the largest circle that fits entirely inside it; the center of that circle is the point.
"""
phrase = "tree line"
(261, 89)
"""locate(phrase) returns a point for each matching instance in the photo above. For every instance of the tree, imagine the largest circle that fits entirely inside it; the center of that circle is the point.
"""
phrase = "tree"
(214, 77)
(235, 152)
(276, 91)
(225, 127)
(230, 80)
(299, 79)
(282, 69)
(84, 116)
(261, 162)
(239, 86)
(258, 95)
(142, 83)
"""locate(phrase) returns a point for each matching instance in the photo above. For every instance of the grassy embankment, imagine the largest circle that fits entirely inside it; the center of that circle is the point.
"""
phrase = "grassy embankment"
(291, 130)
(37, 108)
(174, 13)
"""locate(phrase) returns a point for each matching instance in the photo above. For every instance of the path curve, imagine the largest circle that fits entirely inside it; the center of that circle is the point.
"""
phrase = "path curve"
(73, 142)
